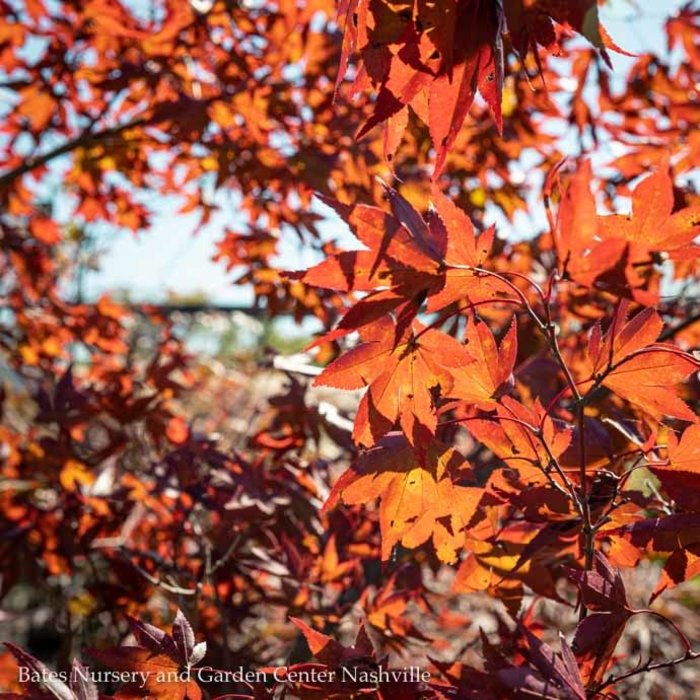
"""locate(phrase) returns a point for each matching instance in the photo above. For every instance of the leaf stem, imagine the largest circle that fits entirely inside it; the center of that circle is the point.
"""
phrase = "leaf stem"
(519, 292)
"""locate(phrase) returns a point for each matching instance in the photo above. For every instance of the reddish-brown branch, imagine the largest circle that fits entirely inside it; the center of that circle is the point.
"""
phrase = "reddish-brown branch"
(87, 138)
(645, 668)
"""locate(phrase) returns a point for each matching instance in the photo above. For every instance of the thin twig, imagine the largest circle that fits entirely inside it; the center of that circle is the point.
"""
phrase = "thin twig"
(169, 587)
(673, 331)
(87, 138)
(648, 666)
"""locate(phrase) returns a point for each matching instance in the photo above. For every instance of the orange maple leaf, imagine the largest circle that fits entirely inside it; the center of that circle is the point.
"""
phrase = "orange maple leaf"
(462, 254)
(627, 361)
(417, 502)
(161, 663)
(490, 371)
(161, 674)
(680, 477)
(506, 435)
(651, 225)
(402, 376)
(608, 251)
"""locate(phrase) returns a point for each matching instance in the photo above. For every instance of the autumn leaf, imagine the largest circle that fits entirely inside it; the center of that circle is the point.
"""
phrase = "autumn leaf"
(177, 430)
(454, 235)
(583, 254)
(418, 502)
(559, 669)
(498, 561)
(162, 661)
(676, 535)
(602, 591)
(48, 685)
(439, 19)
(37, 106)
(512, 437)
(75, 473)
(652, 224)
(680, 476)
(532, 23)
(682, 565)
(490, 373)
(163, 677)
(410, 259)
(627, 361)
(477, 67)
(461, 252)
(393, 257)
(577, 222)
(537, 671)
(328, 651)
(46, 230)
(388, 612)
(611, 251)
(401, 375)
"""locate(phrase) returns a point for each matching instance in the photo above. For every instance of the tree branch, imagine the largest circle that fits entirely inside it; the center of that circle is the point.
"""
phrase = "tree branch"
(673, 331)
(87, 138)
(648, 666)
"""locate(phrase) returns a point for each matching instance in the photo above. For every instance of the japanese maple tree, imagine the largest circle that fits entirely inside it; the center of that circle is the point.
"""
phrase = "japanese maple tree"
(487, 466)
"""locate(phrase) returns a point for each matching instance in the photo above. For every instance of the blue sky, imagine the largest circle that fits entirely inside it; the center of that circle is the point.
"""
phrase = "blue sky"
(170, 257)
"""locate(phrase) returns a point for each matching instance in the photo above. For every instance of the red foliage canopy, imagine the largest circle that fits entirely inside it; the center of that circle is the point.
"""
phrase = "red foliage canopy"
(520, 339)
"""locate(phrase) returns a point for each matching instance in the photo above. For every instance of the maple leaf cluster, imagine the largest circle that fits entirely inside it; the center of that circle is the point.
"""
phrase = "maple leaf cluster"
(491, 441)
